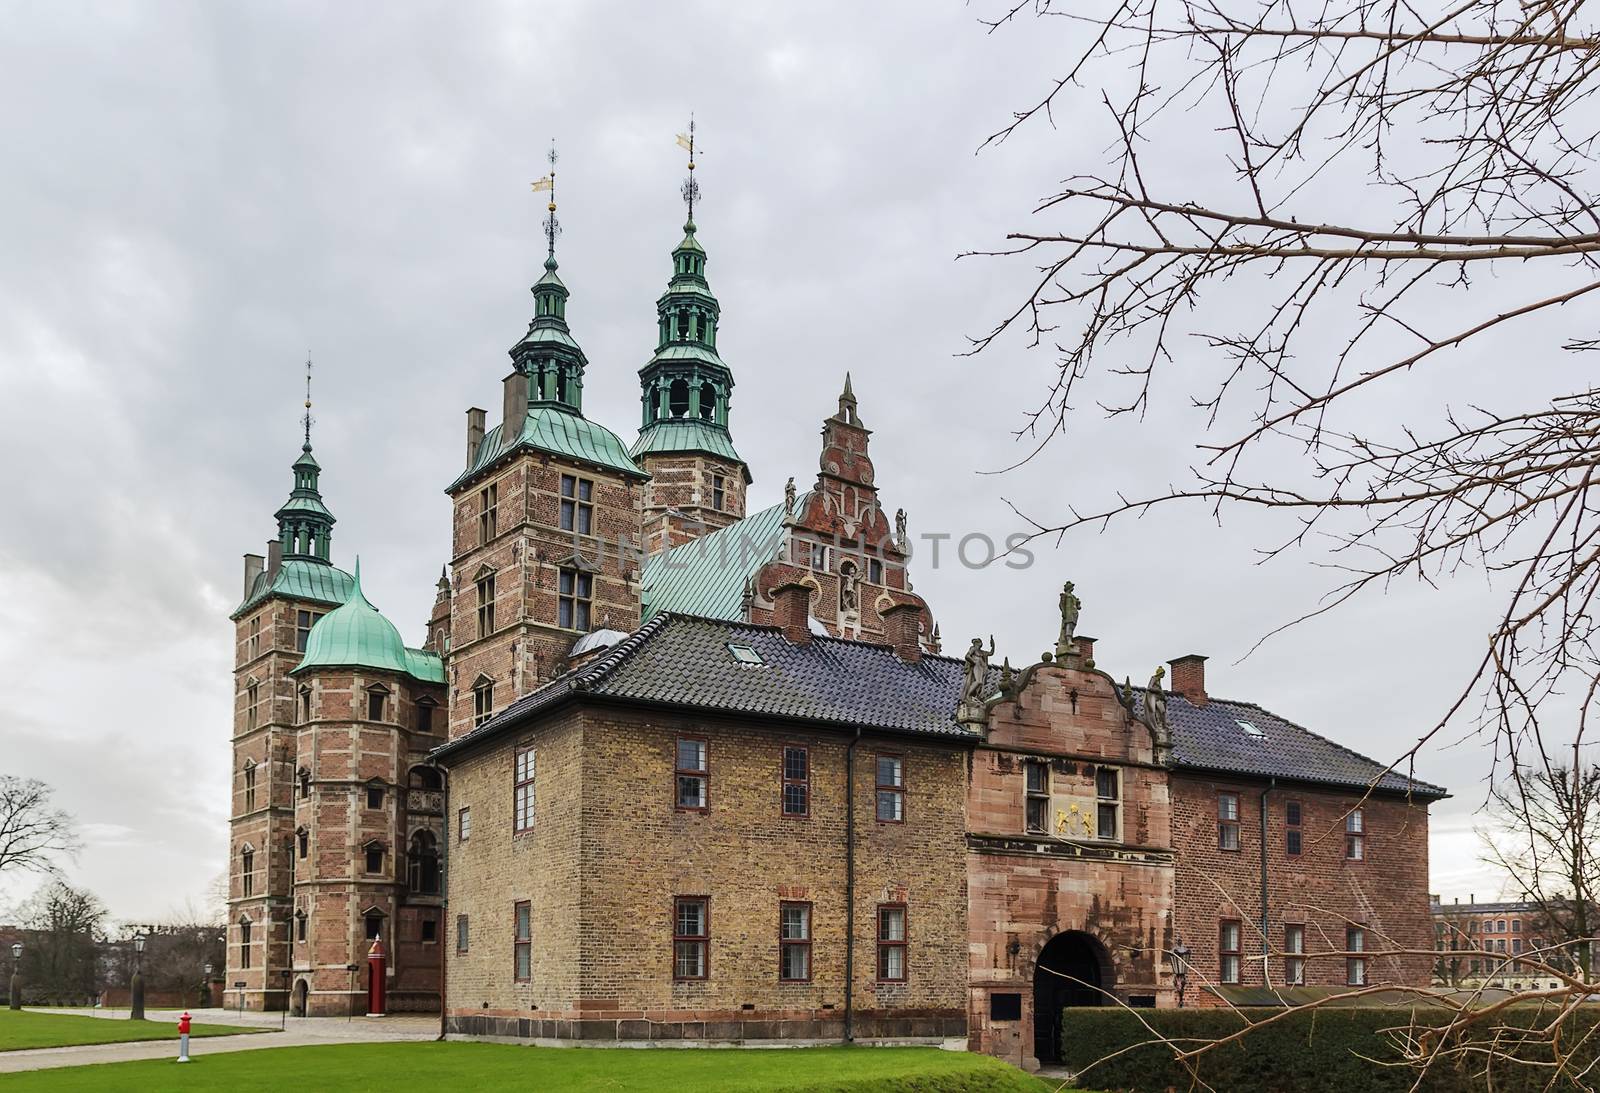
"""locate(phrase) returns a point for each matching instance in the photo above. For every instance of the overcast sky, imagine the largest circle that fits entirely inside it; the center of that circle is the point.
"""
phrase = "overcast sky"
(196, 195)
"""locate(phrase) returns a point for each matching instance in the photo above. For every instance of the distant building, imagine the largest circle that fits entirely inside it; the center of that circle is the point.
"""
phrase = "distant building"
(1478, 945)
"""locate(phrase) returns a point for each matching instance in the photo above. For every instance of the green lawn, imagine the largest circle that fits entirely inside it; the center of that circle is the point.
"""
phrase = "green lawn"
(21, 1029)
(352, 1068)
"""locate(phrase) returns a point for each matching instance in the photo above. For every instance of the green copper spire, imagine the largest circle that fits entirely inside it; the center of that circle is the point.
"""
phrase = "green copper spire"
(686, 385)
(548, 355)
(305, 526)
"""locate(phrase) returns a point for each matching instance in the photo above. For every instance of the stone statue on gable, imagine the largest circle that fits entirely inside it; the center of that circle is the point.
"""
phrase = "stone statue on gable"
(1070, 607)
(788, 497)
(976, 681)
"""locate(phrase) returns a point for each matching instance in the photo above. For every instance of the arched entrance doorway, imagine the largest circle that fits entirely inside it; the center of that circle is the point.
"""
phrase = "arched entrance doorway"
(1074, 969)
(297, 1004)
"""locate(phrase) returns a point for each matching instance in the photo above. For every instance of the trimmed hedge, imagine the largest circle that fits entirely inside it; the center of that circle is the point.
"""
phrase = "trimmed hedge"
(1323, 1050)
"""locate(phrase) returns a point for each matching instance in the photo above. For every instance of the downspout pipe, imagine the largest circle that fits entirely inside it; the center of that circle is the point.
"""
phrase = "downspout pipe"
(445, 933)
(1266, 941)
(850, 887)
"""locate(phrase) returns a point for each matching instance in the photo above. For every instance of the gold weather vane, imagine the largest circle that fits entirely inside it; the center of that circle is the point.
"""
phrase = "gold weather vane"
(691, 188)
(552, 226)
(307, 418)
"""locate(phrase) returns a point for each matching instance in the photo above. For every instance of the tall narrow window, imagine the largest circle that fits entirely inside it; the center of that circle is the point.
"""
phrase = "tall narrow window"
(300, 925)
(1227, 821)
(305, 782)
(486, 606)
(464, 825)
(1291, 828)
(374, 924)
(374, 795)
(692, 774)
(819, 557)
(718, 492)
(252, 695)
(796, 781)
(1355, 966)
(375, 704)
(305, 705)
(1294, 963)
(794, 942)
(488, 512)
(255, 637)
(303, 622)
(425, 708)
(1355, 838)
(374, 855)
(482, 702)
(250, 785)
(247, 870)
(1108, 802)
(575, 599)
(522, 942)
(892, 942)
(691, 937)
(244, 943)
(1038, 795)
(1228, 952)
(462, 931)
(891, 787)
(577, 505)
(522, 795)
(874, 571)
(422, 864)
(302, 842)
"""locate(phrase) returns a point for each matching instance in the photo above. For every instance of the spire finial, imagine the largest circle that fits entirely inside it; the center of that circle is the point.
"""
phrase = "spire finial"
(306, 420)
(552, 226)
(691, 188)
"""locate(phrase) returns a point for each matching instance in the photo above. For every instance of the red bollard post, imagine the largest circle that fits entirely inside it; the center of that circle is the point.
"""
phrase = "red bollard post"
(183, 1037)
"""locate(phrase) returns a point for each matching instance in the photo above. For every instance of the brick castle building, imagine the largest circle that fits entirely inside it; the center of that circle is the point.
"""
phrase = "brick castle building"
(667, 769)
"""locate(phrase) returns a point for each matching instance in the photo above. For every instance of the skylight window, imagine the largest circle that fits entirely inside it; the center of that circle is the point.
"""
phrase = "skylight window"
(744, 654)
(1249, 729)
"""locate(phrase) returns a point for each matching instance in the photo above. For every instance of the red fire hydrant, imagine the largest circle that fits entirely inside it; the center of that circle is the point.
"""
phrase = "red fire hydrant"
(183, 1037)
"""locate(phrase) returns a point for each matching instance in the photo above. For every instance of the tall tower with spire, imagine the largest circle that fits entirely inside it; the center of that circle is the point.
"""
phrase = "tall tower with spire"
(546, 497)
(698, 480)
(286, 591)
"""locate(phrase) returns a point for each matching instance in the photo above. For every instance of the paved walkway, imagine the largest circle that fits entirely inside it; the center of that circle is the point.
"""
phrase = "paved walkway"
(300, 1032)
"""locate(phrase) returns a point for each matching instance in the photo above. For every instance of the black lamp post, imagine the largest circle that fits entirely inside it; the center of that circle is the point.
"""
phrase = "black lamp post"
(136, 988)
(1180, 969)
(16, 980)
(205, 987)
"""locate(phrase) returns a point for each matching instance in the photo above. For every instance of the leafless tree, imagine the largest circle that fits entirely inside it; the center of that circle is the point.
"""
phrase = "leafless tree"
(1304, 221)
(61, 958)
(1547, 840)
(33, 835)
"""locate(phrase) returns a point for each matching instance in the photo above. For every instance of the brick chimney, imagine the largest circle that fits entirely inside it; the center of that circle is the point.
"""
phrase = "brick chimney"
(1189, 678)
(902, 623)
(792, 611)
(274, 557)
(1085, 649)
(475, 419)
(253, 564)
(514, 408)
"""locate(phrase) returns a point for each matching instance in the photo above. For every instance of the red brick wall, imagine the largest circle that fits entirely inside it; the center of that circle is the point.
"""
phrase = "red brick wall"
(1387, 892)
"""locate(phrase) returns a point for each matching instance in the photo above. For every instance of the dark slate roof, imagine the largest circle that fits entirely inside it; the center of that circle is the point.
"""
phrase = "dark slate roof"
(1210, 738)
(684, 660)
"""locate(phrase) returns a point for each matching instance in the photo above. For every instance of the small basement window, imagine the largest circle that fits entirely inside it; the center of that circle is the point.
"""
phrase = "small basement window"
(1005, 1007)
(1249, 729)
(745, 654)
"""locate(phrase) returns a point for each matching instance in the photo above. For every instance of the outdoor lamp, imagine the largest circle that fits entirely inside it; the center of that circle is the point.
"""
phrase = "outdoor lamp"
(16, 951)
(14, 992)
(138, 942)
